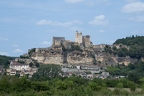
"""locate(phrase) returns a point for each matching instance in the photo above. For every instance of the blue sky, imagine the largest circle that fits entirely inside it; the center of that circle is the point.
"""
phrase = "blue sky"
(26, 24)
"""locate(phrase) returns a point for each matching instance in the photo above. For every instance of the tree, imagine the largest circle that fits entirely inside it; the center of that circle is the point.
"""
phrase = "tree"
(37, 64)
(132, 86)
(30, 64)
(135, 44)
(40, 86)
(4, 61)
(46, 72)
(133, 76)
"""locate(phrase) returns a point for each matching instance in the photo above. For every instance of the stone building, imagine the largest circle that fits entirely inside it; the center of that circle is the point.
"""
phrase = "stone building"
(58, 40)
(86, 41)
(83, 40)
(18, 66)
(78, 37)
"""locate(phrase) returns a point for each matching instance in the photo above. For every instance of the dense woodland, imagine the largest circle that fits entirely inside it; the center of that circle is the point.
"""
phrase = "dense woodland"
(4, 60)
(135, 44)
(73, 86)
(133, 72)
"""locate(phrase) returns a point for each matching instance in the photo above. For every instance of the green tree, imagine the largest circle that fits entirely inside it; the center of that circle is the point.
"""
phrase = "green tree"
(133, 76)
(46, 72)
(31, 64)
(40, 86)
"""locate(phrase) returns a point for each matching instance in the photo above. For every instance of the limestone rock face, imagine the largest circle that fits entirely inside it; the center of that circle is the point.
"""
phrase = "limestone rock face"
(114, 60)
(79, 58)
(58, 59)
(51, 55)
(60, 54)
(39, 58)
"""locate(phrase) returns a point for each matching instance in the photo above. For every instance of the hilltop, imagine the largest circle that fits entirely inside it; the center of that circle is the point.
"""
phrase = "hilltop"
(83, 52)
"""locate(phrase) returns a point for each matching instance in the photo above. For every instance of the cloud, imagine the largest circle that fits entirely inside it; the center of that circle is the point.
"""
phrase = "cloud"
(137, 18)
(18, 51)
(101, 31)
(3, 39)
(99, 20)
(76, 28)
(73, 1)
(15, 45)
(133, 7)
(4, 53)
(46, 43)
(55, 23)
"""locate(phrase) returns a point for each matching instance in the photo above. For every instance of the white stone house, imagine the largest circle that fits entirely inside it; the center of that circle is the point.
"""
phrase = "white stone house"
(17, 66)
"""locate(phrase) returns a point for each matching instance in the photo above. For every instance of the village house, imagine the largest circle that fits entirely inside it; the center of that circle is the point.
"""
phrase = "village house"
(21, 69)
(18, 66)
(12, 72)
(104, 75)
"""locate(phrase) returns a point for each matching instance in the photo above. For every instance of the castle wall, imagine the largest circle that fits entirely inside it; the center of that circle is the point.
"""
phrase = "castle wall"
(56, 42)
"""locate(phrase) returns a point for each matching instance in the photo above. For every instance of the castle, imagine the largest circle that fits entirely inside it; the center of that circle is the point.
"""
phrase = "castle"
(79, 40)
(57, 55)
(83, 40)
(80, 51)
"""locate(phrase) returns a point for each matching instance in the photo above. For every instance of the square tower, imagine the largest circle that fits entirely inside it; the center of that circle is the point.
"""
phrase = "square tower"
(86, 41)
(78, 37)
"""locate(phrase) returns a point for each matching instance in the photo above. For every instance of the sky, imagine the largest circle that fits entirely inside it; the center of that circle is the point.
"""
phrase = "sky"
(26, 24)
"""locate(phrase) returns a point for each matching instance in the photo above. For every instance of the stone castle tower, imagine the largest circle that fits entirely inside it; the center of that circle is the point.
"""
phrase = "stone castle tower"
(78, 37)
(83, 40)
(86, 41)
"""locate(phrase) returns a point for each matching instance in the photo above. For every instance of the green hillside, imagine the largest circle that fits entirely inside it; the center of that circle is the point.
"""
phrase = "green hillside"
(131, 41)
(134, 43)
(4, 60)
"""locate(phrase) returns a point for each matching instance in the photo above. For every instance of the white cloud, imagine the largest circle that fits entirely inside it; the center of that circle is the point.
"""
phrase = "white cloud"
(76, 28)
(101, 31)
(18, 51)
(4, 53)
(3, 39)
(73, 1)
(15, 45)
(133, 7)
(137, 18)
(99, 20)
(55, 23)
(46, 43)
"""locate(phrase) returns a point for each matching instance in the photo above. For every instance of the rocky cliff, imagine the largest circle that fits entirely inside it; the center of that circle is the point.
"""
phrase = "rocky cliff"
(78, 55)
(123, 51)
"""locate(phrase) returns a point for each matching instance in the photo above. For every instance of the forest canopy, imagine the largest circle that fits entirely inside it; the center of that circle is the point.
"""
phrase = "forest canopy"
(135, 46)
